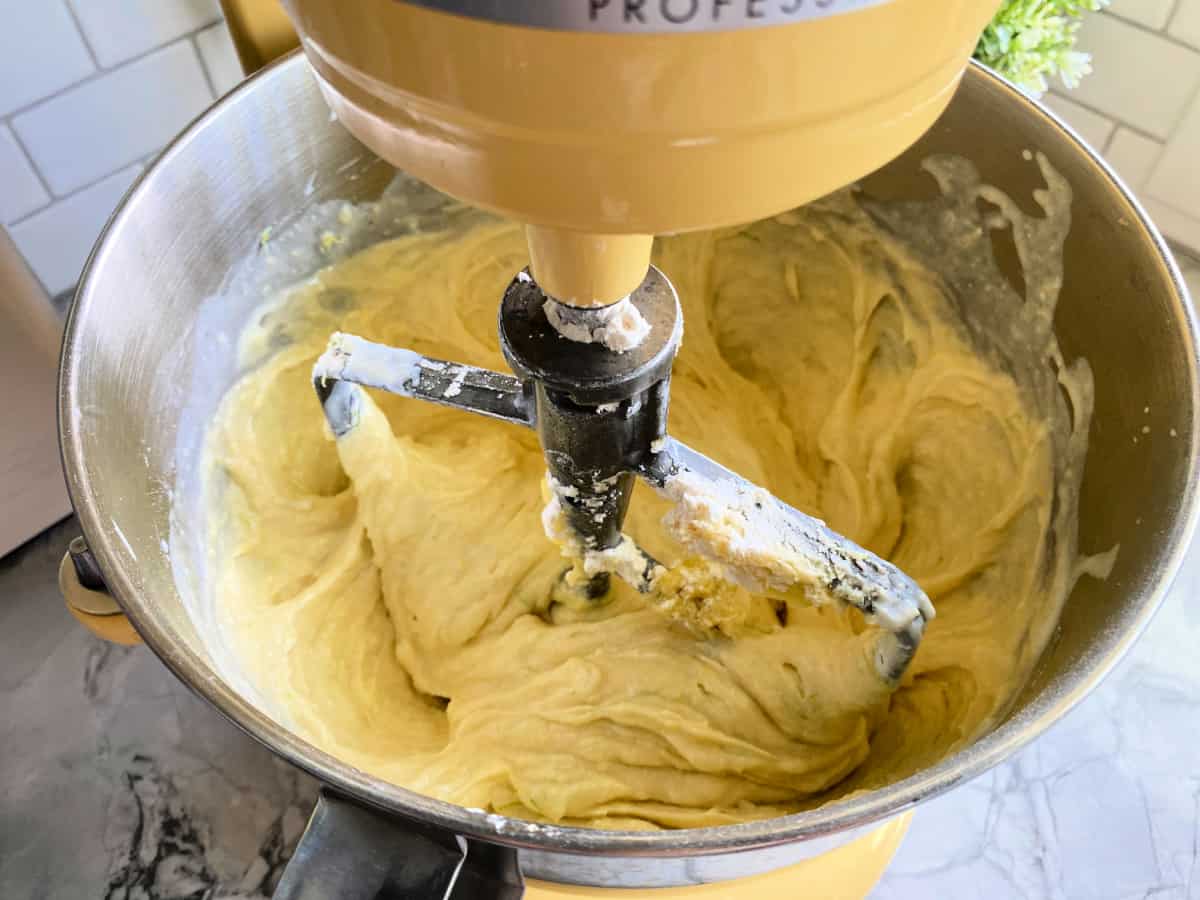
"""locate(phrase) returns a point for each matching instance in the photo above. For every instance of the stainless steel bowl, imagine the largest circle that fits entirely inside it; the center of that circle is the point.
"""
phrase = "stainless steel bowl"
(137, 385)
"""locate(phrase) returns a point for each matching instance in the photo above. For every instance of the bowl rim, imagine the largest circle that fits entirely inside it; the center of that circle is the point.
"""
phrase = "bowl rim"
(845, 815)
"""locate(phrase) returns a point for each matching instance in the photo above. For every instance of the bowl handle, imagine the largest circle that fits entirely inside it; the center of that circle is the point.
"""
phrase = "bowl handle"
(87, 598)
(353, 853)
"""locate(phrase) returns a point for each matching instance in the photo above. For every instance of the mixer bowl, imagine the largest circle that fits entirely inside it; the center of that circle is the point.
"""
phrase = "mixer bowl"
(141, 376)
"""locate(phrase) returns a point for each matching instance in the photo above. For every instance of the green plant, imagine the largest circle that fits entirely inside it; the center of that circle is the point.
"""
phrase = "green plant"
(1029, 41)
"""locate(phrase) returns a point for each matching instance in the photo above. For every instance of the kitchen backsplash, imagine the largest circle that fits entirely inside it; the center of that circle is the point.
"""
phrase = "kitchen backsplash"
(90, 90)
(1141, 105)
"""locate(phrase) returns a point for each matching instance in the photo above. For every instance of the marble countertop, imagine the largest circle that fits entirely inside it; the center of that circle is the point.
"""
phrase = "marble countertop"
(117, 783)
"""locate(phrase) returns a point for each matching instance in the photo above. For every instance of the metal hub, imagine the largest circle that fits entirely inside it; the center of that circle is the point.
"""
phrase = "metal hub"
(597, 412)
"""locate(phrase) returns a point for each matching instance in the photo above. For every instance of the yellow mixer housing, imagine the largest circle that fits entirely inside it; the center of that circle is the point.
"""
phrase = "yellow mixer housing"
(600, 123)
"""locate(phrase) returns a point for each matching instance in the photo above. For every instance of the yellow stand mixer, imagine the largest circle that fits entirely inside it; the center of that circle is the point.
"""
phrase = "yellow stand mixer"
(144, 363)
(599, 124)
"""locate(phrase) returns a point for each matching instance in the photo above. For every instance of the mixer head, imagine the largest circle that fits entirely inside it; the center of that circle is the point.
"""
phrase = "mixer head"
(601, 416)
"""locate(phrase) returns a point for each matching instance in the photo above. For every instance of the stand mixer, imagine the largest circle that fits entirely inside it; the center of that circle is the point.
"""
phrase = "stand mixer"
(141, 347)
(598, 125)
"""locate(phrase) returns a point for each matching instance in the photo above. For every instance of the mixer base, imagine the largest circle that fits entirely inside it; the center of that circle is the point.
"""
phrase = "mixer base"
(848, 872)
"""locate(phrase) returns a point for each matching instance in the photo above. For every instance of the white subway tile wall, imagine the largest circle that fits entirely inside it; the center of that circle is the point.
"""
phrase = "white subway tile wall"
(1176, 176)
(57, 240)
(41, 51)
(1092, 127)
(1150, 13)
(22, 190)
(220, 58)
(119, 117)
(1134, 156)
(119, 30)
(1184, 228)
(1185, 24)
(1141, 106)
(89, 89)
(1140, 77)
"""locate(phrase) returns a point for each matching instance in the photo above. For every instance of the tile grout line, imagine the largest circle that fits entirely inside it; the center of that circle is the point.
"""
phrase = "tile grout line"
(1121, 123)
(1163, 35)
(53, 95)
(1166, 22)
(87, 45)
(1144, 135)
(139, 163)
(1191, 256)
(1192, 251)
(208, 78)
(96, 76)
(1190, 214)
(37, 173)
(1108, 142)
(1192, 101)
(1111, 121)
(9, 118)
(1176, 5)
(1147, 199)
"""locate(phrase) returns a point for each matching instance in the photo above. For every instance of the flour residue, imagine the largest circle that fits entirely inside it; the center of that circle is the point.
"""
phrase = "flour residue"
(619, 326)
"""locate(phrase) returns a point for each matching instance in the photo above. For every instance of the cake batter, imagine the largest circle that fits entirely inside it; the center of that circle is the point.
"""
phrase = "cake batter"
(393, 593)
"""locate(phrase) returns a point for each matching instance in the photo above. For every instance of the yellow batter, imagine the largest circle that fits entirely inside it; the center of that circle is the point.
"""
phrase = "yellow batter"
(391, 593)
